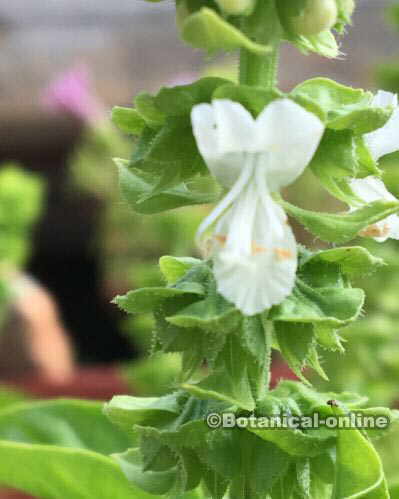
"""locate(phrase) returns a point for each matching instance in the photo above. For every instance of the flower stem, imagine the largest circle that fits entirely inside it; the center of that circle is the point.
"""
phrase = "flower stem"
(263, 26)
(259, 70)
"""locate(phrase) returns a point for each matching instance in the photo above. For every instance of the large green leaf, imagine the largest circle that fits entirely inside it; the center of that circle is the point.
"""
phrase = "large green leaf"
(359, 468)
(52, 472)
(67, 423)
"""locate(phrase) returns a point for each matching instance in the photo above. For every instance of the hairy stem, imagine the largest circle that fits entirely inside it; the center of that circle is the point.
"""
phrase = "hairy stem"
(263, 26)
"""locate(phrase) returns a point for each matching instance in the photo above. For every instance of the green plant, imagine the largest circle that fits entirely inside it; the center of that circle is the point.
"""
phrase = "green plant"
(254, 291)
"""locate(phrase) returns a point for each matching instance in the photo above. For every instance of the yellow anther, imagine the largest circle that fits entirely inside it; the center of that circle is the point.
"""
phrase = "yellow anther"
(283, 254)
(375, 231)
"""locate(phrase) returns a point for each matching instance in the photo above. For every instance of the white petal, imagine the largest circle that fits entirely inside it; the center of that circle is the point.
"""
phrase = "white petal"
(371, 189)
(384, 140)
(235, 127)
(224, 132)
(255, 263)
(204, 129)
(384, 99)
(290, 135)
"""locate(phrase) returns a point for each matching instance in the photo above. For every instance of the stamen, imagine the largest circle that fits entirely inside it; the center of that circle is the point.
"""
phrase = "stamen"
(283, 254)
(220, 238)
(375, 231)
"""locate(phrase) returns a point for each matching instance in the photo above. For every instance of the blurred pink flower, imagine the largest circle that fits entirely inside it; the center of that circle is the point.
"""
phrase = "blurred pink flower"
(72, 92)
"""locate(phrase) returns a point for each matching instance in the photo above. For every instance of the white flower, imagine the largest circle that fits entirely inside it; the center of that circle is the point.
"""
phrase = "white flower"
(380, 142)
(254, 249)
(371, 189)
(384, 140)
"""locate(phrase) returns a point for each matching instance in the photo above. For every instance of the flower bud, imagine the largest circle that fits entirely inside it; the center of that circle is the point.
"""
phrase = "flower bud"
(236, 7)
(308, 17)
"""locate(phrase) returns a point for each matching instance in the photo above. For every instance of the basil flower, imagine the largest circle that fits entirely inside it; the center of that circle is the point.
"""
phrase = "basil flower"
(253, 248)
(380, 142)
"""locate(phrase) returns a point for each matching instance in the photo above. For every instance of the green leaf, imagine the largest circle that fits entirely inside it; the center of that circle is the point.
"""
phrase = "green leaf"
(346, 108)
(303, 478)
(375, 412)
(353, 261)
(332, 307)
(340, 228)
(137, 186)
(128, 120)
(339, 157)
(127, 411)
(359, 468)
(227, 383)
(67, 423)
(147, 108)
(172, 148)
(332, 96)
(361, 121)
(52, 472)
(295, 442)
(179, 101)
(218, 386)
(212, 314)
(215, 484)
(205, 29)
(174, 268)
(296, 342)
(233, 453)
(285, 485)
(255, 99)
(147, 299)
(153, 482)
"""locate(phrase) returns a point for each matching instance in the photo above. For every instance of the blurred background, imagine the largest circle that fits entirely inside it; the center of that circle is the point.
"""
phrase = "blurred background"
(63, 65)
(68, 244)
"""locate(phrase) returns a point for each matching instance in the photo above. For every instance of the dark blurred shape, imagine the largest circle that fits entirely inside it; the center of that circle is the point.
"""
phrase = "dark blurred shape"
(65, 258)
